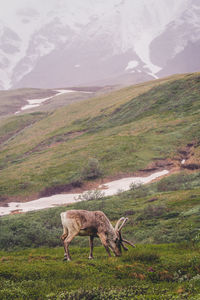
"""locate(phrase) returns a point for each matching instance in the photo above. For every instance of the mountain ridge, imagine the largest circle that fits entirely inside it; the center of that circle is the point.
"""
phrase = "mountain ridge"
(81, 44)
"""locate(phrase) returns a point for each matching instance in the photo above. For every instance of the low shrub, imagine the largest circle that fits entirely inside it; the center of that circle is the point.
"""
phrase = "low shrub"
(91, 170)
(140, 190)
(90, 195)
(181, 181)
(152, 211)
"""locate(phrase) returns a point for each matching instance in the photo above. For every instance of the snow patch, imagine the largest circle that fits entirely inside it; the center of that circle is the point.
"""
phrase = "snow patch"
(153, 75)
(131, 65)
(124, 184)
(62, 199)
(37, 102)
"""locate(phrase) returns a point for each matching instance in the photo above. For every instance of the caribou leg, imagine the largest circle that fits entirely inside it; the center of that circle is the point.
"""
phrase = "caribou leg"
(103, 240)
(91, 242)
(65, 234)
(67, 241)
(107, 250)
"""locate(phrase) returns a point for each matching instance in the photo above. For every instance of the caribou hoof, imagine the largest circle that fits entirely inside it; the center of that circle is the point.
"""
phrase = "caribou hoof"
(66, 259)
(90, 257)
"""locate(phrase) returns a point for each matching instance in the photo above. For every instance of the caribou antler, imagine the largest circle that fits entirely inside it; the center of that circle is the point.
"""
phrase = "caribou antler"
(123, 224)
(118, 230)
(129, 243)
(118, 222)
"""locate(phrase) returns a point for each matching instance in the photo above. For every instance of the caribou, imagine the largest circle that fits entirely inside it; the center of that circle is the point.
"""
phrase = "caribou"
(93, 224)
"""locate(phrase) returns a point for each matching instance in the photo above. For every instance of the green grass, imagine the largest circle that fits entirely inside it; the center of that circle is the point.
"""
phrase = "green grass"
(125, 131)
(177, 98)
(136, 126)
(158, 213)
(146, 272)
(164, 212)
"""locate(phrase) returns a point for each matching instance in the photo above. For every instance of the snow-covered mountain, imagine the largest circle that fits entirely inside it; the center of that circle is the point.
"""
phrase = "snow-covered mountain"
(177, 48)
(55, 43)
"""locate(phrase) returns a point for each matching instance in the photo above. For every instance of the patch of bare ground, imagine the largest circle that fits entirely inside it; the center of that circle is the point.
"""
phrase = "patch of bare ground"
(71, 188)
(59, 189)
(16, 212)
(86, 88)
(188, 157)
(94, 89)
(157, 165)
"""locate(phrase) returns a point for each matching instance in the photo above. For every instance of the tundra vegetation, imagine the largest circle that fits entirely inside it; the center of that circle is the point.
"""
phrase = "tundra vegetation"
(48, 152)
(52, 151)
(164, 224)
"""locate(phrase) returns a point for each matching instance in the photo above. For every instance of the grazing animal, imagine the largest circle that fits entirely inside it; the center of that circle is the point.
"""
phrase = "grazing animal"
(92, 224)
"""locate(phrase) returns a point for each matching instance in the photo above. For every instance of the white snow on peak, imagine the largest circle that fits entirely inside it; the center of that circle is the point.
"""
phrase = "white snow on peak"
(142, 20)
(132, 64)
(131, 24)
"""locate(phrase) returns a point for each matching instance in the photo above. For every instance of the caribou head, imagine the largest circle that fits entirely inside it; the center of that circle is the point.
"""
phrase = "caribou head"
(117, 242)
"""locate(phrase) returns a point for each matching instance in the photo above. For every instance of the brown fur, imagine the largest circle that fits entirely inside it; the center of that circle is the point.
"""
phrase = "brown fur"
(92, 224)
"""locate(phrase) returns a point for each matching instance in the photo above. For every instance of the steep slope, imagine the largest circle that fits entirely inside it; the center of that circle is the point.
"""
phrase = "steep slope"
(146, 126)
(176, 49)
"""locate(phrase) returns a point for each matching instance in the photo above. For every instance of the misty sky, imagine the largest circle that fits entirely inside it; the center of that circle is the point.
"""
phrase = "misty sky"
(9, 8)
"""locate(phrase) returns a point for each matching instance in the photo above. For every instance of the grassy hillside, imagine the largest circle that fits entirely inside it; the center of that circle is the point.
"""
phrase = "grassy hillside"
(164, 212)
(148, 126)
(137, 126)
